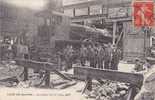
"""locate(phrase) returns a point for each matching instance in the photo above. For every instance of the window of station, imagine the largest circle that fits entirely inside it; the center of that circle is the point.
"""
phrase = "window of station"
(54, 20)
(129, 10)
(4, 11)
(8, 12)
(104, 10)
(58, 20)
(48, 22)
(117, 12)
(96, 9)
(152, 41)
(69, 12)
(81, 11)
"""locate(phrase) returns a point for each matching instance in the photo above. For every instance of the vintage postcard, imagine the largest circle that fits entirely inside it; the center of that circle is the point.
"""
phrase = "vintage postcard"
(77, 50)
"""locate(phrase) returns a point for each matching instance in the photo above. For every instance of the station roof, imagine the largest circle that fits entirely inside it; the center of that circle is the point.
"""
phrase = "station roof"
(106, 3)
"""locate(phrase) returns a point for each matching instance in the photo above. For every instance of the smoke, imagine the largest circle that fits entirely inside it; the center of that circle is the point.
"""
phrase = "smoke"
(33, 4)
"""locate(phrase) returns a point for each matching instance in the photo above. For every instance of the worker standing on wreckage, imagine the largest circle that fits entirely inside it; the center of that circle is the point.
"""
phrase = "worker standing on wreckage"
(100, 56)
(92, 53)
(108, 56)
(83, 54)
(68, 54)
(115, 57)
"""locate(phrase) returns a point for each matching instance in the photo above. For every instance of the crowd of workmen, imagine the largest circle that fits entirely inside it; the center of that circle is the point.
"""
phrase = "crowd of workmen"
(94, 55)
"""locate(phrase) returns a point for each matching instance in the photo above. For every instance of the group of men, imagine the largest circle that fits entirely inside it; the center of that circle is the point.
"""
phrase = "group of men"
(100, 56)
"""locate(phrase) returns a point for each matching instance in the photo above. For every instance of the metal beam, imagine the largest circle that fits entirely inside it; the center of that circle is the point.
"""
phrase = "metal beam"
(98, 17)
(101, 16)
(85, 72)
(88, 17)
(114, 32)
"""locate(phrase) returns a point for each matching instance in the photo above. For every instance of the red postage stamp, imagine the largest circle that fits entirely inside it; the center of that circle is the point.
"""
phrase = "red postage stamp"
(143, 13)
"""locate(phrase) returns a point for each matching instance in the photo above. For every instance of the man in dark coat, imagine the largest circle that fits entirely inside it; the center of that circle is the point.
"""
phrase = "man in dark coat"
(83, 55)
(100, 56)
(68, 53)
(108, 55)
(115, 58)
(92, 56)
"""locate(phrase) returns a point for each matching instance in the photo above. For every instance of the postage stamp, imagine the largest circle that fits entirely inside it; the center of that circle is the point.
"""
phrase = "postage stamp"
(143, 13)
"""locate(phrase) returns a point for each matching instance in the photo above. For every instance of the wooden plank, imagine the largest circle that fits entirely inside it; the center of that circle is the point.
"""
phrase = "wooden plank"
(41, 65)
(85, 87)
(62, 75)
(25, 74)
(130, 94)
(47, 80)
(66, 85)
(36, 64)
(133, 78)
(10, 79)
(88, 85)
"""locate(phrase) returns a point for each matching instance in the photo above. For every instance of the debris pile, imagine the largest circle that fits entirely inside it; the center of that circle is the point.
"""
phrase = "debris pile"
(147, 91)
(109, 91)
(9, 73)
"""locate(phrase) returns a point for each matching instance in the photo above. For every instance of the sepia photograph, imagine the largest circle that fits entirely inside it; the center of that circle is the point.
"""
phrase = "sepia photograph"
(77, 50)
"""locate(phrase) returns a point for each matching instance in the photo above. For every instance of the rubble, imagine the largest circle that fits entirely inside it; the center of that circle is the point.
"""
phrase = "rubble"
(9, 73)
(109, 91)
(147, 91)
(24, 84)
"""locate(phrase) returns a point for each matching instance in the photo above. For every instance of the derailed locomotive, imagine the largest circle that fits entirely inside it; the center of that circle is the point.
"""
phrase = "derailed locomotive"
(57, 32)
